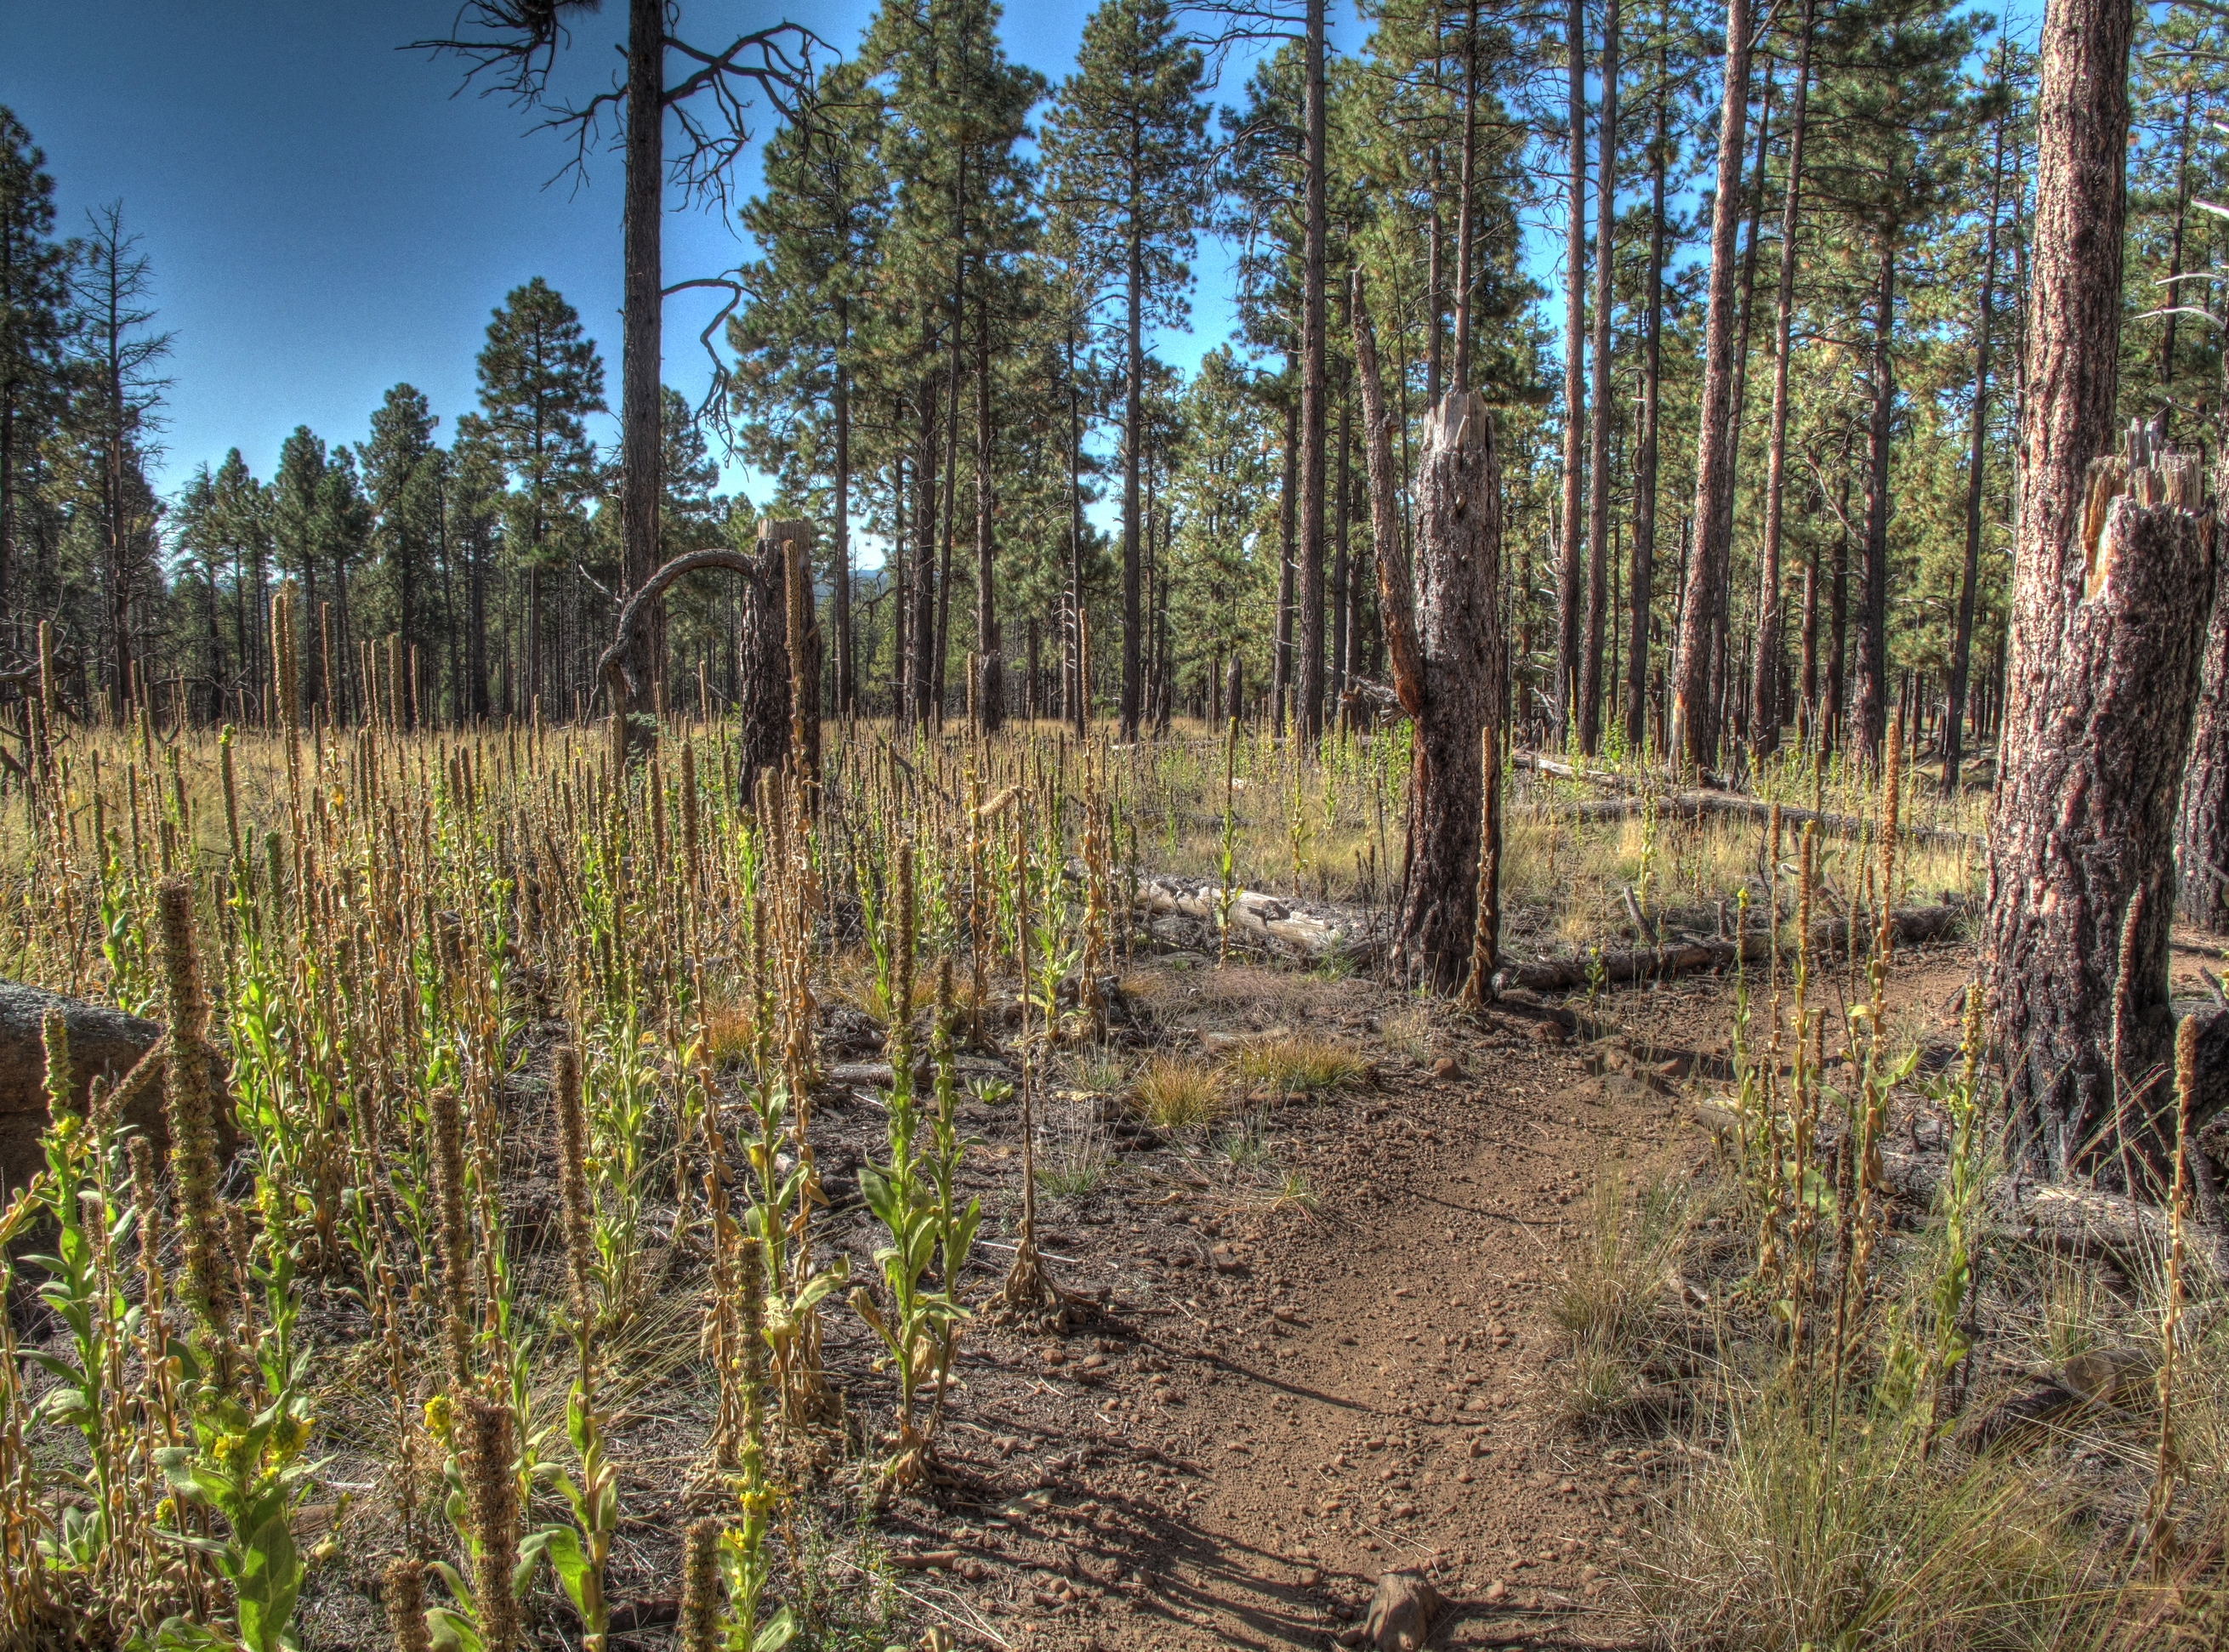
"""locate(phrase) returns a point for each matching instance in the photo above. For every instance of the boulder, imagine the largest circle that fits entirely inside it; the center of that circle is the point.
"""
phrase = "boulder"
(104, 1043)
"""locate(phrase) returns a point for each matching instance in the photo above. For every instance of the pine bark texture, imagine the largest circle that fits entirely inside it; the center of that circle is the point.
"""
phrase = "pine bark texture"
(2083, 842)
(1570, 560)
(641, 435)
(1598, 475)
(763, 669)
(1446, 672)
(1765, 710)
(1308, 713)
(2062, 865)
(1694, 732)
(2201, 844)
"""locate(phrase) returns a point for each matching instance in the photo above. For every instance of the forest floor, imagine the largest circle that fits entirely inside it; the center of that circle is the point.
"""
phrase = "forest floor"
(1285, 1398)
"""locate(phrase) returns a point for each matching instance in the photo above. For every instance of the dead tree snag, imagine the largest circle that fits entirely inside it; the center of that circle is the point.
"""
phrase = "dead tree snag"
(1443, 643)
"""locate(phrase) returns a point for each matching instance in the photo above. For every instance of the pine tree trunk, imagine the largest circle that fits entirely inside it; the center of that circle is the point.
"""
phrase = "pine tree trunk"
(2107, 618)
(1765, 710)
(1695, 737)
(2201, 843)
(1281, 684)
(1458, 519)
(1962, 641)
(921, 627)
(1309, 713)
(1598, 474)
(1870, 727)
(1133, 433)
(1571, 562)
(641, 435)
(839, 557)
(1838, 630)
(991, 672)
(1640, 584)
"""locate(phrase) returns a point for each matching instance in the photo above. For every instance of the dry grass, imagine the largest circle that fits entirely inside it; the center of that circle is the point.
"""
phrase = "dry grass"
(1298, 1063)
(728, 1032)
(1611, 1288)
(1174, 1093)
(1811, 1529)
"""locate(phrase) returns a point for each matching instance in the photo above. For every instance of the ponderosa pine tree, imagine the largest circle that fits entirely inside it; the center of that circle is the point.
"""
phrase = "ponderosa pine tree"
(1888, 104)
(818, 224)
(1695, 731)
(1127, 167)
(404, 471)
(117, 406)
(957, 108)
(34, 271)
(540, 377)
(296, 540)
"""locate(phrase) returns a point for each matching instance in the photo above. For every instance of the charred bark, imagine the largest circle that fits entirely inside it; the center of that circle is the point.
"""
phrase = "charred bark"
(2073, 841)
(1694, 733)
(1442, 634)
(2081, 848)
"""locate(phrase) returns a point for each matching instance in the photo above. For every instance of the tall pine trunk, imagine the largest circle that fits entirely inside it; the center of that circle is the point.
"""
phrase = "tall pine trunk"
(1309, 713)
(991, 675)
(1598, 475)
(1639, 583)
(641, 435)
(1962, 641)
(1870, 726)
(1694, 734)
(1765, 711)
(1571, 553)
(2109, 606)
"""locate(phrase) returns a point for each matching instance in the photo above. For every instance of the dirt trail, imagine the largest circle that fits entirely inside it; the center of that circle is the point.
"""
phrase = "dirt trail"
(1282, 1403)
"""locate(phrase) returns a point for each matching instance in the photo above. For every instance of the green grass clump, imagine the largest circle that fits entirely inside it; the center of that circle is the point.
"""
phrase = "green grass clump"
(1173, 1093)
(1299, 1062)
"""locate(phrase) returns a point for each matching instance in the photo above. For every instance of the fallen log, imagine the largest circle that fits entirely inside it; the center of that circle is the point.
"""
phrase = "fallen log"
(1912, 924)
(1267, 920)
(2080, 1221)
(1735, 806)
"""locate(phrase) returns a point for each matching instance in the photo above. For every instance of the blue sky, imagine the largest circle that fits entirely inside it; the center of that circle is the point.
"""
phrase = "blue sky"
(325, 219)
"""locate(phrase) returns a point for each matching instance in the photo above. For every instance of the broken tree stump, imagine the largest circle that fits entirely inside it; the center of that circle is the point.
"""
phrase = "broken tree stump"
(2081, 894)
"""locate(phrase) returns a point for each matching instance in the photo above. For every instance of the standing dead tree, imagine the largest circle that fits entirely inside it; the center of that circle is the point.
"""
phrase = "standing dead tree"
(778, 651)
(512, 45)
(1443, 640)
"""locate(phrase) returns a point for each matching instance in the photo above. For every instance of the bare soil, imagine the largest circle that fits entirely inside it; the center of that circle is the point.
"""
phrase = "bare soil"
(1279, 1403)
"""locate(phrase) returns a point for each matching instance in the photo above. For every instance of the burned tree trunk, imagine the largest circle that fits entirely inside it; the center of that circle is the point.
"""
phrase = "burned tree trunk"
(2201, 840)
(764, 667)
(2108, 610)
(801, 632)
(2081, 850)
(1441, 642)
(764, 671)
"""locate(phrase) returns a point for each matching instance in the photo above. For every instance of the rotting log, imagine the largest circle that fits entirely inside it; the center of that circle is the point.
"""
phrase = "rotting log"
(2088, 1221)
(2081, 849)
(1913, 924)
(1266, 920)
(1443, 644)
(1733, 806)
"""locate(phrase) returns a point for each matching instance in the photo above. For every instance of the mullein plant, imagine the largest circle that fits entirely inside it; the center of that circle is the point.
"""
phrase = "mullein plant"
(578, 1552)
(910, 1196)
(242, 1386)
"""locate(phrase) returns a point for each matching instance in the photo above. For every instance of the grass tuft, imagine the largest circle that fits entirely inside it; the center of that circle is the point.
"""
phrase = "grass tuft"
(1611, 1288)
(1174, 1093)
(1298, 1062)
